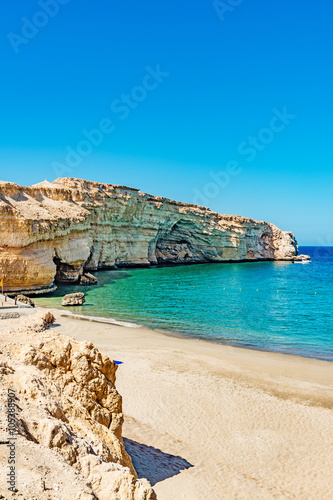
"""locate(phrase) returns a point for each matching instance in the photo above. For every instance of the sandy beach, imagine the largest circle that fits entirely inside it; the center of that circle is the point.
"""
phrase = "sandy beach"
(166, 251)
(205, 420)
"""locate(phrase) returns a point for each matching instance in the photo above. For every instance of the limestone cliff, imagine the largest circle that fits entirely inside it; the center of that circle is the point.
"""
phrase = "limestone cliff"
(58, 230)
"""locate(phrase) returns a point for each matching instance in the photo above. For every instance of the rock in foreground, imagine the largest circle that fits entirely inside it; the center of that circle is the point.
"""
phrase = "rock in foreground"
(73, 299)
(69, 419)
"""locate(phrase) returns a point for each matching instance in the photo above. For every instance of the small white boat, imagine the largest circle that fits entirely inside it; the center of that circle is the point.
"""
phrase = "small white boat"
(303, 261)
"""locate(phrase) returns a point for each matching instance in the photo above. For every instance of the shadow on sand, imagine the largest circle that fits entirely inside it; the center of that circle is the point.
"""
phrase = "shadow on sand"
(152, 463)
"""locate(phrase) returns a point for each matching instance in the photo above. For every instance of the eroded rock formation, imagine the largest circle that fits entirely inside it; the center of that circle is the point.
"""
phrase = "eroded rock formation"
(73, 299)
(60, 230)
(25, 300)
(69, 417)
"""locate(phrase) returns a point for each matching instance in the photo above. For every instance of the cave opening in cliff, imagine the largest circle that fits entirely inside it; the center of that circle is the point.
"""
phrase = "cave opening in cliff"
(178, 245)
(66, 273)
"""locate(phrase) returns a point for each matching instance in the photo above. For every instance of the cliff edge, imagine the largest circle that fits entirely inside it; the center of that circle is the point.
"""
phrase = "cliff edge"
(59, 230)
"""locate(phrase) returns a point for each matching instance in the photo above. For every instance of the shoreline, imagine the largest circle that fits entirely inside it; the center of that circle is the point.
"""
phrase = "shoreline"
(254, 359)
(176, 334)
(46, 289)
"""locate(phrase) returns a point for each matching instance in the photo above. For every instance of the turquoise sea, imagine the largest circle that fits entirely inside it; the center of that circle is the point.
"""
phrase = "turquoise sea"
(271, 306)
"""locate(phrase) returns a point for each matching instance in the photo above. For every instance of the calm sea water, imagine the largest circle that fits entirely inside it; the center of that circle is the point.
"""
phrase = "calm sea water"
(272, 306)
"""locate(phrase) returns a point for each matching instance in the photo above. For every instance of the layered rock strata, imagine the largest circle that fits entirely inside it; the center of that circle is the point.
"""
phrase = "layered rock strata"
(60, 230)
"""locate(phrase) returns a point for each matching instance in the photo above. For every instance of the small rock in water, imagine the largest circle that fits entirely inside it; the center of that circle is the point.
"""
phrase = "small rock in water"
(73, 299)
(301, 257)
(88, 279)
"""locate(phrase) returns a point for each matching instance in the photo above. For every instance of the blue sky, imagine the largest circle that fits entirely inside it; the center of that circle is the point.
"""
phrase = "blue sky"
(226, 105)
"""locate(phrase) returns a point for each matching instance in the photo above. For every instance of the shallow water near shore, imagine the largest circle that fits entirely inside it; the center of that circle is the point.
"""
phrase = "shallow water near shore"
(271, 306)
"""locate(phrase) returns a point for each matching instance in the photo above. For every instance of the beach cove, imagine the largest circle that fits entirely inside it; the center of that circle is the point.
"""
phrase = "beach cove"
(268, 306)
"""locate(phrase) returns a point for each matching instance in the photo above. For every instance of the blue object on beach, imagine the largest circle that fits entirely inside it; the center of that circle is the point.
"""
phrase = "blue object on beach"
(118, 362)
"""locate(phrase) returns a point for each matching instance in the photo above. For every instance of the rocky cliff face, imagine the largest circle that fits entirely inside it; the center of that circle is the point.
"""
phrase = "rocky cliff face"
(58, 230)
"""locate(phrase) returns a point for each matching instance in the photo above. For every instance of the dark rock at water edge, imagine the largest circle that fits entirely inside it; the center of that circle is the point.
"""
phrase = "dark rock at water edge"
(25, 300)
(88, 279)
(301, 257)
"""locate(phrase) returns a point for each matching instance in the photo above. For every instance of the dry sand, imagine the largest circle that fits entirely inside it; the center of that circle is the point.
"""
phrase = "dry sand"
(207, 421)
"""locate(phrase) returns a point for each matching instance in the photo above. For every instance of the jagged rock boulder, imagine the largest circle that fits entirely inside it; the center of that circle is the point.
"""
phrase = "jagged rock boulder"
(25, 300)
(88, 279)
(34, 323)
(69, 420)
(87, 377)
(84, 280)
(73, 299)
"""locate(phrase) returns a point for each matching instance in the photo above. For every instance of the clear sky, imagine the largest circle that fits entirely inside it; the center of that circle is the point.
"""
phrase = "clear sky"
(226, 104)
